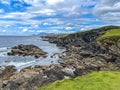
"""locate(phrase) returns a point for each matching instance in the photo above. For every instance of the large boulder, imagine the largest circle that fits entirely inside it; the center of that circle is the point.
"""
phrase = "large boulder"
(26, 50)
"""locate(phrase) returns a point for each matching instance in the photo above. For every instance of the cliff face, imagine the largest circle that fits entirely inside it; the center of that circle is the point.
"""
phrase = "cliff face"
(79, 38)
(111, 42)
(88, 39)
(86, 52)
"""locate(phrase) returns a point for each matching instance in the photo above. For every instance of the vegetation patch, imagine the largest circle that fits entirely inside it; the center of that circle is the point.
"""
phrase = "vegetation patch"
(111, 33)
(111, 37)
(103, 80)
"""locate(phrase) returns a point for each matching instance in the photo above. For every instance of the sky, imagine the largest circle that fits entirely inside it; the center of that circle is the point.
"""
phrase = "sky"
(28, 17)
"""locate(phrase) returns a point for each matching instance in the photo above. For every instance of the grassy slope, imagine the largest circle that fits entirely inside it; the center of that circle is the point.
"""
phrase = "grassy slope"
(111, 33)
(103, 80)
(110, 37)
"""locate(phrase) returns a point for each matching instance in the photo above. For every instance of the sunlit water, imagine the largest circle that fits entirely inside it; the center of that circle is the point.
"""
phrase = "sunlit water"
(20, 62)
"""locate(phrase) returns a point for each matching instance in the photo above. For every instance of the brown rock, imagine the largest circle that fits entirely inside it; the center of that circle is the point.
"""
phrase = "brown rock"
(7, 72)
(26, 50)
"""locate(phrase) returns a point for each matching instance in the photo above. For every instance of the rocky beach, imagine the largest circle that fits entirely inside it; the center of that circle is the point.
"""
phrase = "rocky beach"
(85, 52)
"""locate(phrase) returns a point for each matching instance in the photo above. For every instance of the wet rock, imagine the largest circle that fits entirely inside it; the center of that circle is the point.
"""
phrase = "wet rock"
(27, 50)
(7, 72)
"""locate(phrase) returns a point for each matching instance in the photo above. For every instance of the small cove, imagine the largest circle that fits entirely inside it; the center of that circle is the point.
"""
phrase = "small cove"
(20, 62)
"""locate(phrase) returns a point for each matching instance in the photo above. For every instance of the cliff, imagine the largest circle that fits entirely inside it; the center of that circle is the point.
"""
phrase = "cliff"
(95, 49)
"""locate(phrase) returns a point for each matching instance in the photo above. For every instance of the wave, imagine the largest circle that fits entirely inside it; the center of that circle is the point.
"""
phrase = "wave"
(21, 65)
(4, 49)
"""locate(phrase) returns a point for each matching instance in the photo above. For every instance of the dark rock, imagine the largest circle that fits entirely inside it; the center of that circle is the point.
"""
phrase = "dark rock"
(12, 86)
(26, 50)
(54, 74)
(86, 70)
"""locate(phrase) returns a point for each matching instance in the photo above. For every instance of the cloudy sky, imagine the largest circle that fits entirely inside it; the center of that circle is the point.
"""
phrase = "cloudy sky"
(27, 17)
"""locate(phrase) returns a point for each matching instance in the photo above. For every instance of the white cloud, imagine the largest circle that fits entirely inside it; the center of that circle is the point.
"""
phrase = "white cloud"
(32, 31)
(4, 30)
(68, 28)
(25, 30)
(39, 31)
(46, 23)
(48, 12)
(6, 26)
(5, 1)
(68, 8)
(54, 2)
(57, 13)
(1, 11)
(108, 10)
(36, 25)
(54, 31)
(33, 2)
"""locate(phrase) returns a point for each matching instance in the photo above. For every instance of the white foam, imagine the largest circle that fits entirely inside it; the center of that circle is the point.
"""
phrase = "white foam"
(4, 49)
(21, 64)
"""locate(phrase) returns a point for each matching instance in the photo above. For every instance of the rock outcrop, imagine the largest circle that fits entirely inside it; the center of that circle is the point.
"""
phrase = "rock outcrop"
(31, 78)
(27, 50)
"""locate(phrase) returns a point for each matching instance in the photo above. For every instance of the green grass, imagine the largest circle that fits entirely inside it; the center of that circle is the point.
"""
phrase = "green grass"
(111, 37)
(112, 33)
(103, 80)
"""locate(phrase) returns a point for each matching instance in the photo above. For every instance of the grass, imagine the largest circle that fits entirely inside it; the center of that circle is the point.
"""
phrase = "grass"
(111, 33)
(103, 80)
(111, 37)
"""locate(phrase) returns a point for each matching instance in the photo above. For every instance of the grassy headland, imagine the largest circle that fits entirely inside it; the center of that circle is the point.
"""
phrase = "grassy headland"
(112, 33)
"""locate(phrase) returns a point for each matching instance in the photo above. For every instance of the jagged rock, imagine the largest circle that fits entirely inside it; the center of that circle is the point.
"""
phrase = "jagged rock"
(26, 50)
(32, 78)
(7, 72)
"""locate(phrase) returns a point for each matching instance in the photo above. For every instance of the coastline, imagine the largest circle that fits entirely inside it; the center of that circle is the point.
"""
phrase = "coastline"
(10, 75)
(84, 54)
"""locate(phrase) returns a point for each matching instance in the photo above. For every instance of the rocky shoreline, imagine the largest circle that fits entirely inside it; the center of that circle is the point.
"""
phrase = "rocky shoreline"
(87, 53)
(84, 53)
(31, 78)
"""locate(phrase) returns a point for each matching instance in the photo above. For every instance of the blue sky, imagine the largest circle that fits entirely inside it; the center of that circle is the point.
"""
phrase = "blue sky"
(27, 17)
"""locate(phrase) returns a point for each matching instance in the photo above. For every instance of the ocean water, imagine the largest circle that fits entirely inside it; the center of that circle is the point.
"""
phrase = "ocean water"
(6, 42)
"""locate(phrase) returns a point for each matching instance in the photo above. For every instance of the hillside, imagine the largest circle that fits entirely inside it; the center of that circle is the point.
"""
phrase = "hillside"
(94, 81)
(93, 50)
(111, 41)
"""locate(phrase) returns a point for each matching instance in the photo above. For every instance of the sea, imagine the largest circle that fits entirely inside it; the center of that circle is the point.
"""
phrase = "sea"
(20, 62)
